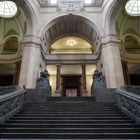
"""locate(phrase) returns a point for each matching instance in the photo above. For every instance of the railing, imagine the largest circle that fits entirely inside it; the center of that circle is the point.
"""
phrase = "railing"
(11, 100)
(129, 101)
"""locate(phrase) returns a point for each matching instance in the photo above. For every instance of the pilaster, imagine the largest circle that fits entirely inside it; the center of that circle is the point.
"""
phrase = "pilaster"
(111, 61)
(30, 61)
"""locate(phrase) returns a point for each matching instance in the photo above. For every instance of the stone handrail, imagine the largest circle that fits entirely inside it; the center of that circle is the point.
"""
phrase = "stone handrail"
(128, 98)
(11, 100)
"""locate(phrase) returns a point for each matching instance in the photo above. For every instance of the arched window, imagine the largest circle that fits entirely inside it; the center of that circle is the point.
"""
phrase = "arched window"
(53, 1)
(56, 1)
(10, 46)
(7, 9)
(132, 7)
(88, 1)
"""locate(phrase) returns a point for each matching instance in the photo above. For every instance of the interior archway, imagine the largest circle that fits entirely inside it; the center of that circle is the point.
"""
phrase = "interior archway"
(71, 25)
(71, 41)
(128, 32)
(13, 31)
(10, 45)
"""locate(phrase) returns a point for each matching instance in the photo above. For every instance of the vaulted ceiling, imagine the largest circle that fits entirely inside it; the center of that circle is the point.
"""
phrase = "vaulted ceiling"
(71, 25)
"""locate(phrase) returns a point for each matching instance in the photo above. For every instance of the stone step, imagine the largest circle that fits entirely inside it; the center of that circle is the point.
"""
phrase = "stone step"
(69, 130)
(70, 112)
(71, 135)
(70, 109)
(69, 125)
(71, 121)
(69, 115)
(70, 99)
(96, 104)
(67, 118)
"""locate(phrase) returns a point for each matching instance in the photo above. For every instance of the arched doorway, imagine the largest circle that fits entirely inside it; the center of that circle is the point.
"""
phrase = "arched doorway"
(72, 47)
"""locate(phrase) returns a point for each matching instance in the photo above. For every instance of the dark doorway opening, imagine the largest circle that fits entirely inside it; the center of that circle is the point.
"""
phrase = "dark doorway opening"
(71, 85)
(6, 80)
(135, 79)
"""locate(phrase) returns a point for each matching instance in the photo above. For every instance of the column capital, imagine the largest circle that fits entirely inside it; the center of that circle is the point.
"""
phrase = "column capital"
(83, 65)
(58, 65)
(110, 39)
(31, 39)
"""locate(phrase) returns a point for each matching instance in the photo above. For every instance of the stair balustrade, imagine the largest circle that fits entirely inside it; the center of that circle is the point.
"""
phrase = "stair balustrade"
(11, 101)
(128, 98)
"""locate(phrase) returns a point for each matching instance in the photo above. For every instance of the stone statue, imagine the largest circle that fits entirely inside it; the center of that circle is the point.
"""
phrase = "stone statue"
(43, 81)
(98, 80)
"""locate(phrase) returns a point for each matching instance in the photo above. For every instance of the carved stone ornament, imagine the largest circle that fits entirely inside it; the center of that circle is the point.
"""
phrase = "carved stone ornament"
(70, 6)
(97, 3)
(130, 105)
(43, 2)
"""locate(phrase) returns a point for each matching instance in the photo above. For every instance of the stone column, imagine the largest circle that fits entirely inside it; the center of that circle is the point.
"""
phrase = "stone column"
(58, 80)
(126, 73)
(17, 72)
(31, 58)
(112, 66)
(84, 89)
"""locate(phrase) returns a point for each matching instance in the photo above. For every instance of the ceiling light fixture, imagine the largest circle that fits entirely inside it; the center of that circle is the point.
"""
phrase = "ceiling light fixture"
(71, 42)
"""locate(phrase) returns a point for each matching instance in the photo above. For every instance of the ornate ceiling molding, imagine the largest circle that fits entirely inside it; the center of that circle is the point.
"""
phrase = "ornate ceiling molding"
(43, 3)
(69, 6)
(95, 3)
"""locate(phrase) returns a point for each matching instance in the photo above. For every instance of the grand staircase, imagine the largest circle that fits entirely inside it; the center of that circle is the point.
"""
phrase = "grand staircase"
(69, 118)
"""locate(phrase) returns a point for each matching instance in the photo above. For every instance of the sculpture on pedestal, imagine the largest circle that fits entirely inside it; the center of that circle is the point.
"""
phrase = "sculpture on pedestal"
(98, 80)
(43, 81)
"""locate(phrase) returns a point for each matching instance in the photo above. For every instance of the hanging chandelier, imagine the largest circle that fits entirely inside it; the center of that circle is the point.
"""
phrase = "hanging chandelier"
(132, 7)
(7, 9)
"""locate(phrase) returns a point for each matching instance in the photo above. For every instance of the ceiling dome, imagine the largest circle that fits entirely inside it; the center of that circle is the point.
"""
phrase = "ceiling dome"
(132, 7)
(7, 9)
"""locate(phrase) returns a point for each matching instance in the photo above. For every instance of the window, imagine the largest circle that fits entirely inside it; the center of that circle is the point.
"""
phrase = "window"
(56, 1)
(88, 1)
(132, 7)
(53, 1)
(7, 9)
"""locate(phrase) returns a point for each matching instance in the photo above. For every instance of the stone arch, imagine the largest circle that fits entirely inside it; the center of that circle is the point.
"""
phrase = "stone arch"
(54, 19)
(111, 15)
(71, 25)
(13, 40)
(132, 35)
(31, 16)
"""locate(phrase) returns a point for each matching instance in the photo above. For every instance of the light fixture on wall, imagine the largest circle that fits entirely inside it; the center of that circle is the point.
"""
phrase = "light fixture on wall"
(7, 9)
(132, 7)
(71, 42)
